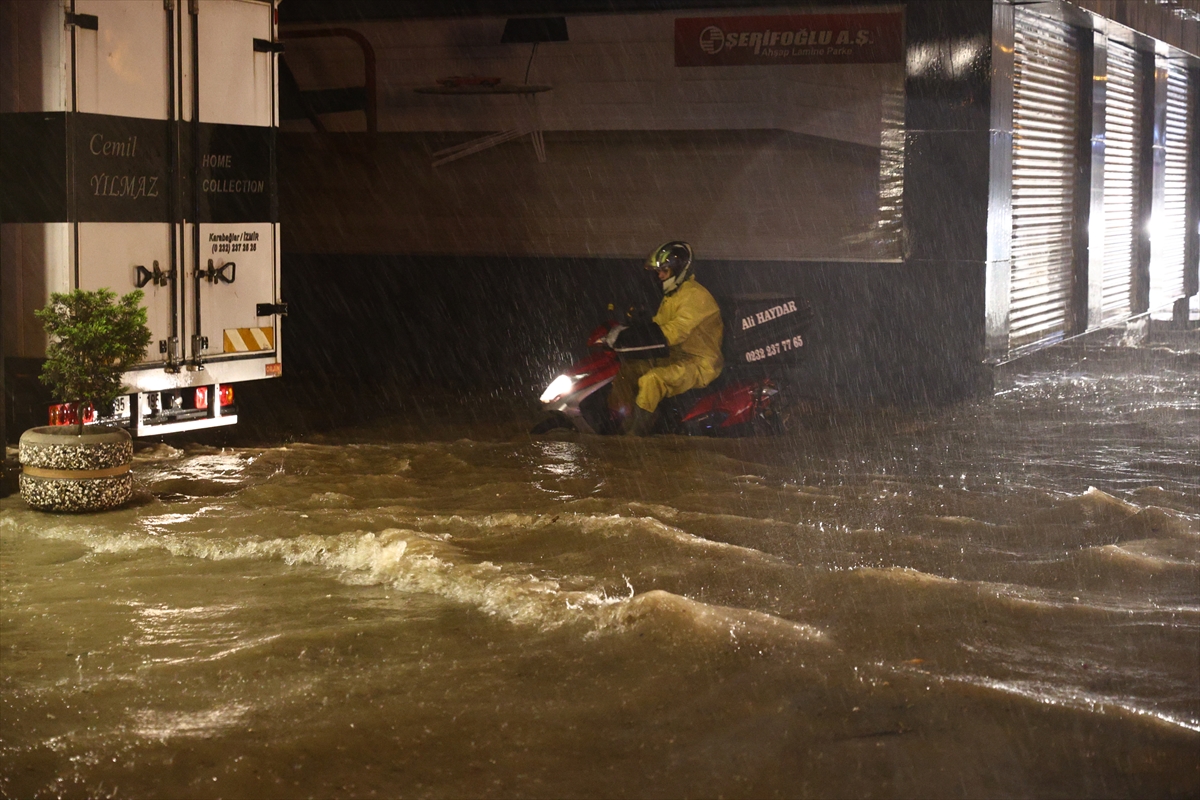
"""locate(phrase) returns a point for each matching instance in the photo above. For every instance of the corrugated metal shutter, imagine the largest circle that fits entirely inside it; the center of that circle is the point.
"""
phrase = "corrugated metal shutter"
(1122, 168)
(1168, 229)
(1045, 139)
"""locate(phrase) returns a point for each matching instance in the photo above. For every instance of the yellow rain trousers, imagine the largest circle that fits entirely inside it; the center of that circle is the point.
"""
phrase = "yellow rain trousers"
(691, 322)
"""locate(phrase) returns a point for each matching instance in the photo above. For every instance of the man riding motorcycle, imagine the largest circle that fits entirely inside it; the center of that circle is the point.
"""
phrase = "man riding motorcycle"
(688, 322)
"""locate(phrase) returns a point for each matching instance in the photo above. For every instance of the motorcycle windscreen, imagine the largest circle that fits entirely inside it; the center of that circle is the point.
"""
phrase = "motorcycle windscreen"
(769, 331)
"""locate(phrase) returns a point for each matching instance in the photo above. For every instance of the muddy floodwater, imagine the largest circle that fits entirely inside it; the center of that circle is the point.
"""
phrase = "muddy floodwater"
(1000, 598)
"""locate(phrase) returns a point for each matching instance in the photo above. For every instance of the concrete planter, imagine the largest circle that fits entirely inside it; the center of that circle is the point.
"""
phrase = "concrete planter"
(64, 471)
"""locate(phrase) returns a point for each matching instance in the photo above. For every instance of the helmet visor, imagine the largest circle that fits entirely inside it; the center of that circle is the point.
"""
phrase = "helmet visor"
(658, 261)
(673, 257)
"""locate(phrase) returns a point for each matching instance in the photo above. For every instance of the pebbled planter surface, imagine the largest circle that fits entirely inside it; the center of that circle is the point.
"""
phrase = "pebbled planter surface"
(64, 471)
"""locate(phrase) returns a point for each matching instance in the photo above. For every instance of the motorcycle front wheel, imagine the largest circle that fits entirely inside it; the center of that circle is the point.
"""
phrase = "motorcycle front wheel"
(552, 422)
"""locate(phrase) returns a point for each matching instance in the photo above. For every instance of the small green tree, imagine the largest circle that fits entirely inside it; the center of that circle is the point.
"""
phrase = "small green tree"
(94, 338)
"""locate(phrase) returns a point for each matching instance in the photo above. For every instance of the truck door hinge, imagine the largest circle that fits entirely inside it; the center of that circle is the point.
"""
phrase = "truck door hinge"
(89, 21)
(270, 309)
(267, 46)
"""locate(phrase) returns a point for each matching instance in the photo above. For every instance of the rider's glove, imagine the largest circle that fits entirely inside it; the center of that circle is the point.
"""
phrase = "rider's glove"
(611, 338)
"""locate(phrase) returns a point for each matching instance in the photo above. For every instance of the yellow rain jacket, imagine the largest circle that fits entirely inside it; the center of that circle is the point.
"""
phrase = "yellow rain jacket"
(691, 322)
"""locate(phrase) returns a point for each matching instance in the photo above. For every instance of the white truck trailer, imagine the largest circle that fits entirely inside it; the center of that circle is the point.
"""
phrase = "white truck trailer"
(137, 150)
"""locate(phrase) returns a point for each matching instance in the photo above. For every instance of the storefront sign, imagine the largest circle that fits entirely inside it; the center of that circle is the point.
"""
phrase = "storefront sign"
(790, 39)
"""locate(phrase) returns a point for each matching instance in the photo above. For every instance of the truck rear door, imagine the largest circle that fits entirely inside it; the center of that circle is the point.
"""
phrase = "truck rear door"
(235, 247)
(123, 58)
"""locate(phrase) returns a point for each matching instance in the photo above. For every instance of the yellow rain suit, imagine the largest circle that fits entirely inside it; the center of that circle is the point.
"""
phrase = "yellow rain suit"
(691, 322)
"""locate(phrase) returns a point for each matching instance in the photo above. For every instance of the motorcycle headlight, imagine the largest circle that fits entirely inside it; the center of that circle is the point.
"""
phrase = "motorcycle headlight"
(557, 388)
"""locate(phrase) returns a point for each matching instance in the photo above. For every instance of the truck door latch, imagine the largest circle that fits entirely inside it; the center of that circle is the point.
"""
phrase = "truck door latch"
(170, 348)
(214, 274)
(89, 21)
(270, 309)
(267, 46)
(199, 345)
(158, 277)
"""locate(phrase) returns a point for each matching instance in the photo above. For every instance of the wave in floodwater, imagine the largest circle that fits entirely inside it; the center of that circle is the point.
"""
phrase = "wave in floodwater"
(415, 562)
(1078, 699)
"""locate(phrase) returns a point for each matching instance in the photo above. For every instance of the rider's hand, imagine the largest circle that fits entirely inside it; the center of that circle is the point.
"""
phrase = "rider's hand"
(611, 338)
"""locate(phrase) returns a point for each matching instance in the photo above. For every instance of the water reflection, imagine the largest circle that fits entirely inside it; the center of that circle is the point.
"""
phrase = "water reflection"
(152, 724)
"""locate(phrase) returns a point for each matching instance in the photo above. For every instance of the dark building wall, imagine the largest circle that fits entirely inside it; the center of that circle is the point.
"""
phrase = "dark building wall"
(907, 332)
(366, 304)
(749, 194)
(509, 324)
(953, 190)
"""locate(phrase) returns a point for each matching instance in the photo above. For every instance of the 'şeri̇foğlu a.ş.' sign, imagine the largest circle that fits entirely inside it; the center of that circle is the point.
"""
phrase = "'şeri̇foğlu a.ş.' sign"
(790, 39)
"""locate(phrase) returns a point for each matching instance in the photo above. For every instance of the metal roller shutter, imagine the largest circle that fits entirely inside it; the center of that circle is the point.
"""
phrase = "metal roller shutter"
(1122, 131)
(1168, 233)
(1045, 139)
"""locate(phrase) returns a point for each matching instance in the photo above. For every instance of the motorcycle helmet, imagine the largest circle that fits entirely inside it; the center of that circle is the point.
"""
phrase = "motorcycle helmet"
(676, 259)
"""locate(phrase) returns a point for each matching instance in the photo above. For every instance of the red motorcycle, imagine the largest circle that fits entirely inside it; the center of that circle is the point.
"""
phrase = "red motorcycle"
(761, 337)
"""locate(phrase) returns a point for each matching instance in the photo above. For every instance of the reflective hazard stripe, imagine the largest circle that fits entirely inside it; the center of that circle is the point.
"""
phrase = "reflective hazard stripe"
(249, 340)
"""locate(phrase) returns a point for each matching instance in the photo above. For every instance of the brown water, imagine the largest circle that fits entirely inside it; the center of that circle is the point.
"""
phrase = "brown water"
(997, 599)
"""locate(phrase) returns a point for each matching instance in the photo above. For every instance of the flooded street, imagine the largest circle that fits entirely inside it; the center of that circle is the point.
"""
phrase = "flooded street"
(999, 598)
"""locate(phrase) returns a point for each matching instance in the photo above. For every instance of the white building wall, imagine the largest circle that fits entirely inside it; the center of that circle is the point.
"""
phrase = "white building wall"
(746, 162)
(616, 73)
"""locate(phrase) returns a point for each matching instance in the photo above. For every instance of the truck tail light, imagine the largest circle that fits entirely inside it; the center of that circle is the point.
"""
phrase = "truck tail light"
(68, 414)
(225, 393)
(201, 397)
